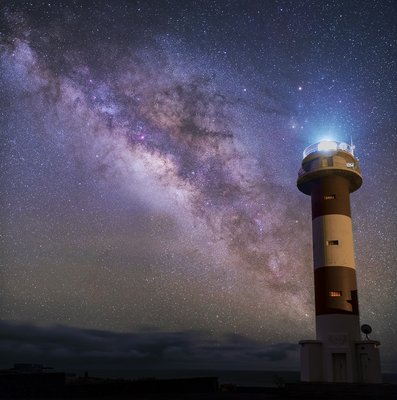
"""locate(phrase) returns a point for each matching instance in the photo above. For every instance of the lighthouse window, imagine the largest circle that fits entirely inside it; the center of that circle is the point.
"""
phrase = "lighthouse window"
(329, 197)
(335, 293)
(332, 242)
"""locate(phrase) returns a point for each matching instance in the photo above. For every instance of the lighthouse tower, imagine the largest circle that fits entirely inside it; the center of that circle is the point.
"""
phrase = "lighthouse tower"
(329, 173)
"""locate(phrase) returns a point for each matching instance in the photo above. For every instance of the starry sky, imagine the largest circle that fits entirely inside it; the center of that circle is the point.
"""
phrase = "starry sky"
(149, 156)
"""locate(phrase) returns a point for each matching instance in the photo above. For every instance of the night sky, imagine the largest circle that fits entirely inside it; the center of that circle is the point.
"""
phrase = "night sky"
(149, 157)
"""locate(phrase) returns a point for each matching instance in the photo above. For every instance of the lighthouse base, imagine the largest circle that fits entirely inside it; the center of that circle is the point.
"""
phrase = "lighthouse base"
(359, 363)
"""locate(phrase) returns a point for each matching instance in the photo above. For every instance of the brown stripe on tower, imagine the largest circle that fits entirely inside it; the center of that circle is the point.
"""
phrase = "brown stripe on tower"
(330, 195)
(336, 291)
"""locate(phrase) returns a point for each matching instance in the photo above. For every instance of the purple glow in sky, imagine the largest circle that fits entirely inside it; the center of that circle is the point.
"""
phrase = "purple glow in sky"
(149, 163)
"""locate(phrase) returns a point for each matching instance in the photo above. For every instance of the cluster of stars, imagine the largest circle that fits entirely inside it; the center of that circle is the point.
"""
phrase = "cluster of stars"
(150, 160)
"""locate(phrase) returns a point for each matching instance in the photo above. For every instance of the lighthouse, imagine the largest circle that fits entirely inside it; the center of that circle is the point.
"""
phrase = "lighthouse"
(329, 173)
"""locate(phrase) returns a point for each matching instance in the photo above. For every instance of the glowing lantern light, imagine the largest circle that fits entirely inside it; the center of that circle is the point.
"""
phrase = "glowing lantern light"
(327, 146)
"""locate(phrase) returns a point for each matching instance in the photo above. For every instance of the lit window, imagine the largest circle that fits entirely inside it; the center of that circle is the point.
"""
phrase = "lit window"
(335, 293)
(329, 197)
(332, 242)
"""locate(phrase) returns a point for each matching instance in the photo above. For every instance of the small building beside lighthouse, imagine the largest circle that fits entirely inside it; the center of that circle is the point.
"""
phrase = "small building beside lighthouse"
(329, 173)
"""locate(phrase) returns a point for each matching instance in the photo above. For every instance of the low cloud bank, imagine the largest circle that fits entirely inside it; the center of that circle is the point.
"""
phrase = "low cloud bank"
(70, 347)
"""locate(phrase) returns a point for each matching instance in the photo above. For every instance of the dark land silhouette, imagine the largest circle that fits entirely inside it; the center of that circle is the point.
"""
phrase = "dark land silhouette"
(26, 381)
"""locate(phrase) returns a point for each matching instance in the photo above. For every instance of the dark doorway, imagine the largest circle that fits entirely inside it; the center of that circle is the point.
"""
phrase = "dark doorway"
(339, 366)
(364, 367)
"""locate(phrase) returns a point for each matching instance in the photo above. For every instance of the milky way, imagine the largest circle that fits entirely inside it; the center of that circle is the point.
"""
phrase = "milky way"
(149, 163)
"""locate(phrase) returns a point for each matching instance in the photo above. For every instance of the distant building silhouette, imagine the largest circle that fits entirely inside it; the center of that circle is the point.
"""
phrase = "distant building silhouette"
(34, 381)
(31, 380)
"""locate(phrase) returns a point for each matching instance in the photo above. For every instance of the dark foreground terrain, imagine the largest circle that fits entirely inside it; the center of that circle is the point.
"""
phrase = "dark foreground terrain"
(30, 383)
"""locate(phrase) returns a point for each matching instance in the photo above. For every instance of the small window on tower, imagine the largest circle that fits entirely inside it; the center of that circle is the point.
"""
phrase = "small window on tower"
(332, 242)
(335, 293)
(329, 197)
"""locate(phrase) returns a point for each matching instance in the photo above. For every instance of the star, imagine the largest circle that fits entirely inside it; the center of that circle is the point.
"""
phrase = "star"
(149, 167)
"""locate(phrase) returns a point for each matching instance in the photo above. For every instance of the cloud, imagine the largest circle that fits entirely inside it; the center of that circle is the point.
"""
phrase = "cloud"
(69, 347)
